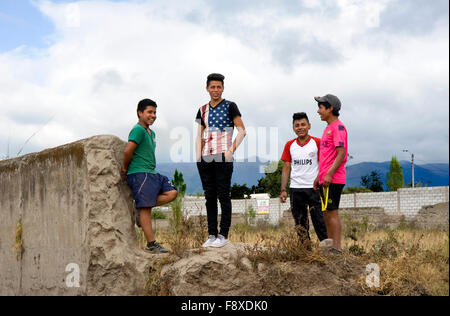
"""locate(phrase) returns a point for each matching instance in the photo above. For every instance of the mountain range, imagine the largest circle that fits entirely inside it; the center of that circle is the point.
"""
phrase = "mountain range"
(434, 174)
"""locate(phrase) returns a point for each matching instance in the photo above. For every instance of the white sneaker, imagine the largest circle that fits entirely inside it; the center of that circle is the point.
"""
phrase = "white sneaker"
(210, 241)
(326, 243)
(220, 241)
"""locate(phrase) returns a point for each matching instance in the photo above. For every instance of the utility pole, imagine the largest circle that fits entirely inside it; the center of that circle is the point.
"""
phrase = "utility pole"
(412, 165)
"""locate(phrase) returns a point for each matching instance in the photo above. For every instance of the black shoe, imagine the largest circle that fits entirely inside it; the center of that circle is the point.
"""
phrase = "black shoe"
(154, 247)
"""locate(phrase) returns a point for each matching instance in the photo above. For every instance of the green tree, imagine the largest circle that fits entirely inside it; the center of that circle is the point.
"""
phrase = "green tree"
(271, 183)
(177, 204)
(395, 178)
(238, 191)
(178, 182)
(259, 188)
(372, 181)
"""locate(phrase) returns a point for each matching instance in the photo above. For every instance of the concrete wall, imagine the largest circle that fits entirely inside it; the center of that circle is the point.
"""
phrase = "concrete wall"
(73, 209)
(45, 192)
(382, 208)
(407, 202)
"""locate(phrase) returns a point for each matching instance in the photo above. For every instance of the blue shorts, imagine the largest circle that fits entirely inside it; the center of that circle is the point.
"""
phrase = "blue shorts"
(147, 186)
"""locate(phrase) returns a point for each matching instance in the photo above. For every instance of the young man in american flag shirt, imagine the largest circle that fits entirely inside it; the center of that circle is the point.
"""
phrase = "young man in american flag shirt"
(214, 152)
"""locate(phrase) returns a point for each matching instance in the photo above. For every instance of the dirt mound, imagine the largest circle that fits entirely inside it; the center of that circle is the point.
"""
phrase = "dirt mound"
(229, 271)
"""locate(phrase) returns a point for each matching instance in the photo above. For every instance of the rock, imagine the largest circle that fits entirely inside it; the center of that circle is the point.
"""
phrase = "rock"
(76, 214)
(261, 267)
(211, 272)
(246, 263)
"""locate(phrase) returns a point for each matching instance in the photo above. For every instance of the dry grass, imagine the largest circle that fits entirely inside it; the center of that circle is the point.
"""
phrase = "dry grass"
(18, 240)
(191, 234)
(411, 261)
(157, 286)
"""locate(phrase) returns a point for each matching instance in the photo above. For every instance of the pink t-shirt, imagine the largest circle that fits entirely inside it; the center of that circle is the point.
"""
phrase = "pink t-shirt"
(335, 135)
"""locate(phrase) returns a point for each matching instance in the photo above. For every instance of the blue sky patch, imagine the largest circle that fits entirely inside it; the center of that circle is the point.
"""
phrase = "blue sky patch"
(21, 23)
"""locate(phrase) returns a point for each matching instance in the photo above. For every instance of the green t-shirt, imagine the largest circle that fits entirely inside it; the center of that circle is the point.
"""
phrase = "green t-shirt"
(143, 159)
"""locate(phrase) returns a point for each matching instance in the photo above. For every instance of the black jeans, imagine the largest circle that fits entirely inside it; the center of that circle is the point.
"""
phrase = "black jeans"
(216, 174)
(300, 199)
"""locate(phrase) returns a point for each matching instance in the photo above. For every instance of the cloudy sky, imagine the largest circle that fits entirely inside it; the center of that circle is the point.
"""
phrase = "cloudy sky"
(75, 69)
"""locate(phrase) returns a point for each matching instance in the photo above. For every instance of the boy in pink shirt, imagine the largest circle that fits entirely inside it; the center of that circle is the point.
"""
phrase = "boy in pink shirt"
(332, 160)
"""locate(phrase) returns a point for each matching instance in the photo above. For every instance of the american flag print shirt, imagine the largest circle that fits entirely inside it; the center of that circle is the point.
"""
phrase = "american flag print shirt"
(219, 126)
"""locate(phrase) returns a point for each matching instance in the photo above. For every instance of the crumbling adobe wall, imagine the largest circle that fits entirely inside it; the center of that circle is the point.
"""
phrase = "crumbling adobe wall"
(433, 216)
(68, 205)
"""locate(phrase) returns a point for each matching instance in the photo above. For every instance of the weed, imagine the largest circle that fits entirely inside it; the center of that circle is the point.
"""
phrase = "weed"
(190, 234)
(353, 228)
(250, 215)
(158, 285)
(357, 250)
(140, 236)
(158, 215)
(18, 245)
(177, 213)
(387, 247)
(285, 248)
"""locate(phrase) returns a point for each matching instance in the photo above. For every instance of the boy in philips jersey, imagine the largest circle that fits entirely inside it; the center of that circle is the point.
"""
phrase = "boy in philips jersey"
(301, 166)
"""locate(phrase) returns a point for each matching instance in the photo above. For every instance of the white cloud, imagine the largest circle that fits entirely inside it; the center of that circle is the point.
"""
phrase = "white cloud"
(92, 76)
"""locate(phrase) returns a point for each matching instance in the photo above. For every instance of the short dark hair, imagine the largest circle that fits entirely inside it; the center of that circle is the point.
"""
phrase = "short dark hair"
(299, 116)
(214, 77)
(142, 105)
(327, 106)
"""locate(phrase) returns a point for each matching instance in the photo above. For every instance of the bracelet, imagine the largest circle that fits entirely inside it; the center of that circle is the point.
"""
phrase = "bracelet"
(283, 190)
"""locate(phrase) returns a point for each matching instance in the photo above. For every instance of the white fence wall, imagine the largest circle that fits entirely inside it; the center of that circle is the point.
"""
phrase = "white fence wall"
(406, 202)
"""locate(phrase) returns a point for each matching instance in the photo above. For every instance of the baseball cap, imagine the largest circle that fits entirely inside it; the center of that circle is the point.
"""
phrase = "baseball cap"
(330, 99)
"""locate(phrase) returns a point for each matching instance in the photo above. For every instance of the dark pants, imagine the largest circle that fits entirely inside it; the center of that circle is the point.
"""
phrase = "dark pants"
(216, 181)
(300, 200)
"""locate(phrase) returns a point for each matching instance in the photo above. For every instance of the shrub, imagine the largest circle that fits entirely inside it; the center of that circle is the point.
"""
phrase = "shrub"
(250, 215)
(158, 215)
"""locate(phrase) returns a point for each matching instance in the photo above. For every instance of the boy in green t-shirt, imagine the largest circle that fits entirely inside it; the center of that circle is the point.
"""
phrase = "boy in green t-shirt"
(149, 188)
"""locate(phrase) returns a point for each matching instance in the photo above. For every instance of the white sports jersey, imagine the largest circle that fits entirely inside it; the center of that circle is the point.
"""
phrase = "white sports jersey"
(304, 162)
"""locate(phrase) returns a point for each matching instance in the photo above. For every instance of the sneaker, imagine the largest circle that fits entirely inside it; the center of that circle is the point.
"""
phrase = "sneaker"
(220, 241)
(210, 241)
(326, 243)
(155, 247)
